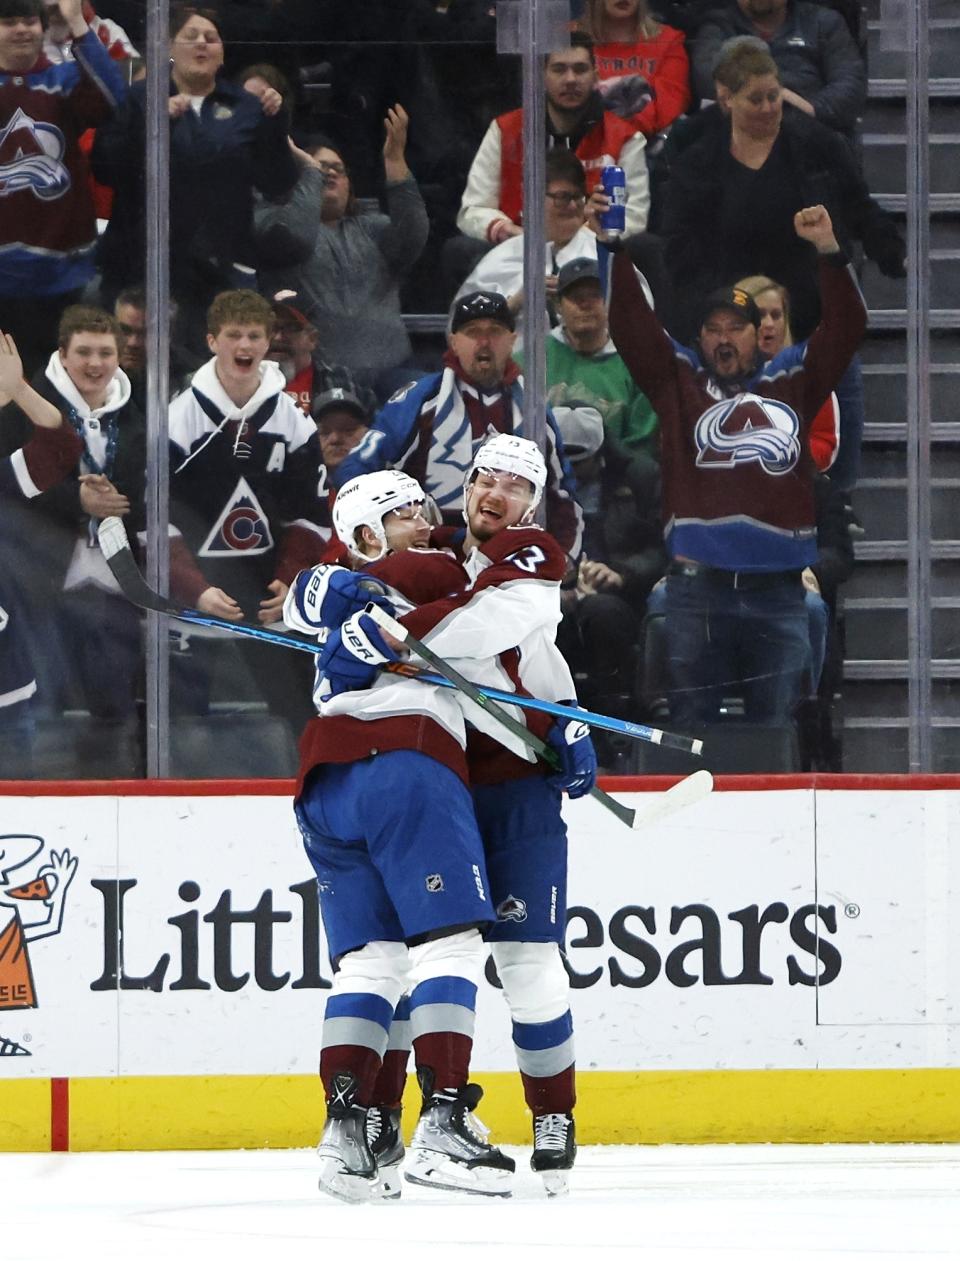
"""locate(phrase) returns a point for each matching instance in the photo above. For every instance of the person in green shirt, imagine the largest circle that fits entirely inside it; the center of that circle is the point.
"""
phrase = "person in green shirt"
(584, 368)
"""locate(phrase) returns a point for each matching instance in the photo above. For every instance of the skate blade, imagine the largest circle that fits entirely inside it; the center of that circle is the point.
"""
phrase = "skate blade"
(556, 1181)
(433, 1169)
(350, 1187)
(390, 1181)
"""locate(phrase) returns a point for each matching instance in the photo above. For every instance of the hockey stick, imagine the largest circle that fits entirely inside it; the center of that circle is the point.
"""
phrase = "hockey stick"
(116, 551)
(685, 793)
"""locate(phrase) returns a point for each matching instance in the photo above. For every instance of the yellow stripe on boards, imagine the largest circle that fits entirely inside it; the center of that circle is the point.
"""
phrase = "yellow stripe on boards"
(728, 1106)
(25, 1115)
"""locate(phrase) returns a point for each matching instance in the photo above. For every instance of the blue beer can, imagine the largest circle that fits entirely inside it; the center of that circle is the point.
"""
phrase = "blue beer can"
(613, 181)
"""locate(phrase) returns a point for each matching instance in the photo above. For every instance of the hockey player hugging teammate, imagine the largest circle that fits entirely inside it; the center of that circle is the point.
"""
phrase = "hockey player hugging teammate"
(498, 595)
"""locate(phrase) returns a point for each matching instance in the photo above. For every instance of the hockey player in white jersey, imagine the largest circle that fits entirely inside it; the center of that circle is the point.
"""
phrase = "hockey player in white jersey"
(384, 762)
(508, 599)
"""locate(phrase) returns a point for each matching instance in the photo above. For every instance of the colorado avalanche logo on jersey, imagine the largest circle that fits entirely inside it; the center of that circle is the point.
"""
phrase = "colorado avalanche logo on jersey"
(749, 429)
(31, 158)
(242, 529)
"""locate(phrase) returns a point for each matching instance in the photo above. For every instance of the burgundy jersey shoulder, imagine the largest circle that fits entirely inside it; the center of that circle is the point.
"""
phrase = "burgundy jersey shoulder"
(530, 548)
(421, 575)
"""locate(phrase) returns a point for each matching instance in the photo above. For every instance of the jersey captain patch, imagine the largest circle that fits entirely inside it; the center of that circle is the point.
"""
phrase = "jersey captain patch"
(242, 529)
(749, 429)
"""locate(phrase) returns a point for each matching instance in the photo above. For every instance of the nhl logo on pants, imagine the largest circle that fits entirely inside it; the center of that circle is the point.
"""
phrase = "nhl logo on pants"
(434, 884)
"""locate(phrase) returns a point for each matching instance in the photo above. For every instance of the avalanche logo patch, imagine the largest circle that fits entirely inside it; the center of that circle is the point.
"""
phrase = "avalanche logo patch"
(512, 908)
(31, 159)
(749, 429)
(242, 529)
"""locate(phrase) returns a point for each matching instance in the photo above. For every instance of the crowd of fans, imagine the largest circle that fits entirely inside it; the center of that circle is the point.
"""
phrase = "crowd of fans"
(336, 168)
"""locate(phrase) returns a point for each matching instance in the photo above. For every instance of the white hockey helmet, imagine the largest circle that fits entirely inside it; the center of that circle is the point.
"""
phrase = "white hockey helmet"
(366, 500)
(506, 453)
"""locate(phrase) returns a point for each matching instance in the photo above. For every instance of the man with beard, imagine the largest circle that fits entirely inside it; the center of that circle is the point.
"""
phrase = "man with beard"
(433, 428)
(293, 348)
(576, 120)
(738, 498)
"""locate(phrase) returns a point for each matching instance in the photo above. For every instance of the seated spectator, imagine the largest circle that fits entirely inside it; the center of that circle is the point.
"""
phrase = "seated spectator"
(293, 348)
(642, 64)
(734, 189)
(96, 631)
(738, 498)
(584, 369)
(346, 266)
(819, 66)
(492, 202)
(342, 420)
(567, 231)
(243, 493)
(130, 310)
(47, 223)
(432, 429)
(623, 557)
(224, 143)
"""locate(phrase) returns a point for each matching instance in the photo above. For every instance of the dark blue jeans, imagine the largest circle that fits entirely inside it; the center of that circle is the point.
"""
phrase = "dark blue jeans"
(721, 640)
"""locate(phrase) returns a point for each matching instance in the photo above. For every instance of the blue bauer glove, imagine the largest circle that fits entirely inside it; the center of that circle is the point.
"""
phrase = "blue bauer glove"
(352, 657)
(328, 594)
(570, 740)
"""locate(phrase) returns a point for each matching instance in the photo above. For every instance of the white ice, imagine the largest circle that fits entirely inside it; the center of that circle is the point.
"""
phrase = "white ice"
(671, 1203)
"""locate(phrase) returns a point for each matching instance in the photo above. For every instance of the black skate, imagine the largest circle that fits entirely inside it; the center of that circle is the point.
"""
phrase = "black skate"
(347, 1167)
(449, 1148)
(554, 1150)
(385, 1141)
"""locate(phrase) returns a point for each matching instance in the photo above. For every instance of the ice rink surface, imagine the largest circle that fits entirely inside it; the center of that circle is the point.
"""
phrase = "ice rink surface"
(771, 1203)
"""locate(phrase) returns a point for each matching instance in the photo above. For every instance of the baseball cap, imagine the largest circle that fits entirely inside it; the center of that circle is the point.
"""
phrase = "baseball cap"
(339, 400)
(577, 269)
(581, 429)
(482, 305)
(283, 304)
(736, 300)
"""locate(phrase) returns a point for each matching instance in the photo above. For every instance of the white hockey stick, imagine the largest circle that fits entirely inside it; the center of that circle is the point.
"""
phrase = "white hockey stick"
(689, 790)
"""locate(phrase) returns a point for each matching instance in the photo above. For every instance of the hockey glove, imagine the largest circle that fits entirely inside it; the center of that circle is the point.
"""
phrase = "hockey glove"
(325, 596)
(570, 740)
(352, 656)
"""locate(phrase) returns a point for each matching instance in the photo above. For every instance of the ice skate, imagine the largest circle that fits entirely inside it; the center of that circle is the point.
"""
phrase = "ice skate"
(347, 1167)
(449, 1148)
(385, 1141)
(554, 1150)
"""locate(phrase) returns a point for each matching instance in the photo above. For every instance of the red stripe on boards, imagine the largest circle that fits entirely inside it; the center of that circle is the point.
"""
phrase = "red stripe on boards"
(60, 1114)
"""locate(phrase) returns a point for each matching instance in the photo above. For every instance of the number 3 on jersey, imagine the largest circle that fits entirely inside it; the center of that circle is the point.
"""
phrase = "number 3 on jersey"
(528, 559)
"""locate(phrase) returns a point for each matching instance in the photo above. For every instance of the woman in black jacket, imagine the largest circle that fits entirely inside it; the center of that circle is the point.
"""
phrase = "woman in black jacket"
(745, 168)
(225, 141)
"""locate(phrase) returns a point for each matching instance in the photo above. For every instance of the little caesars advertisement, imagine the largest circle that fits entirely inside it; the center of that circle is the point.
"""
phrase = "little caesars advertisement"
(783, 929)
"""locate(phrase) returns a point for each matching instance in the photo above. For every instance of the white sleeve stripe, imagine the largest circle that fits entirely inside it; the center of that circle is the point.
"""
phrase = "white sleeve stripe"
(28, 487)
